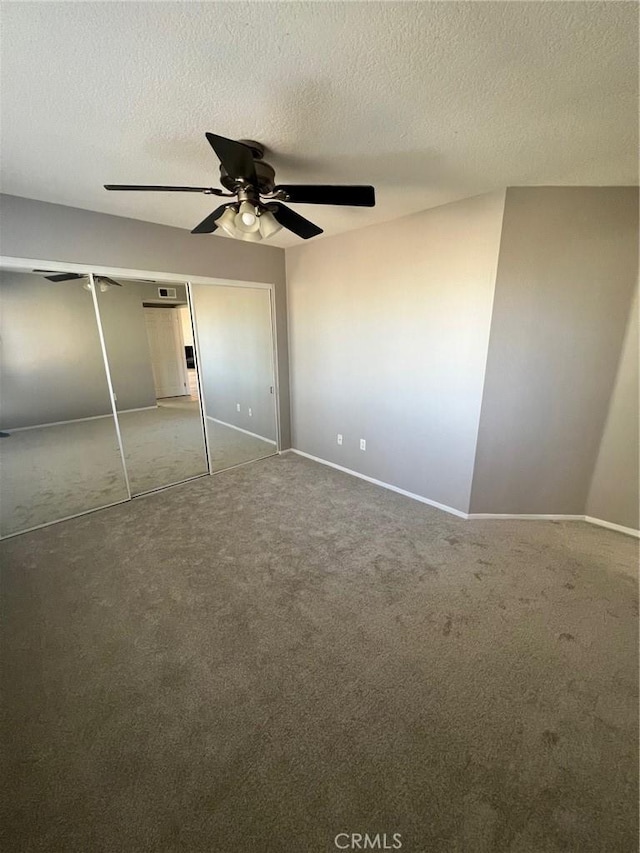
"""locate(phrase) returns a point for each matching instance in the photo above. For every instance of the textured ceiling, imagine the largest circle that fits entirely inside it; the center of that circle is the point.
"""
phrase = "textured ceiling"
(428, 101)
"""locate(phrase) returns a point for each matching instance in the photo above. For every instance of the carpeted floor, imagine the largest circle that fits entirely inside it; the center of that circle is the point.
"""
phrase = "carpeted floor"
(257, 661)
(55, 472)
(233, 447)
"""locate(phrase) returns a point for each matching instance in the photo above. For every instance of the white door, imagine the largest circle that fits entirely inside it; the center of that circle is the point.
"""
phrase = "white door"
(167, 351)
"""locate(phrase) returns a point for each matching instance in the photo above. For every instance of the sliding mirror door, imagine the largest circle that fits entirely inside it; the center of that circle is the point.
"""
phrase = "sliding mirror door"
(59, 449)
(236, 369)
(150, 353)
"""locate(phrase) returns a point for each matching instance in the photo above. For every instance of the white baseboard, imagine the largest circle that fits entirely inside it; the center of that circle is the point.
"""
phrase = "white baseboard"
(375, 482)
(245, 431)
(76, 420)
(630, 531)
(478, 516)
(474, 516)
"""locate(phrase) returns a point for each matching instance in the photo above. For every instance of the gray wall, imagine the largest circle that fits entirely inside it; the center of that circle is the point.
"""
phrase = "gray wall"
(566, 274)
(613, 495)
(235, 345)
(125, 334)
(34, 229)
(389, 329)
(51, 366)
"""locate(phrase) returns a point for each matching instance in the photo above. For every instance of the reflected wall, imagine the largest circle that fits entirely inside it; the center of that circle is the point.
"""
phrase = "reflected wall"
(59, 451)
(235, 346)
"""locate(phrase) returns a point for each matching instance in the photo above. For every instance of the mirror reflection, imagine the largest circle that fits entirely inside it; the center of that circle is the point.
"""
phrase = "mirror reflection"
(100, 384)
(235, 343)
(148, 336)
(59, 453)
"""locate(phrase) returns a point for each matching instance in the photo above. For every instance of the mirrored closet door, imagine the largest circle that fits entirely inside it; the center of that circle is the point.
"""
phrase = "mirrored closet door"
(100, 383)
(59, 449)
(235, 346)
(149, 344)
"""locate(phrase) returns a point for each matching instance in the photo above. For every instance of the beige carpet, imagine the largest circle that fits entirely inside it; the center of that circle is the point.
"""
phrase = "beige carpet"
(232, 447)
(257, 661)
(163, 445)
(55, 472)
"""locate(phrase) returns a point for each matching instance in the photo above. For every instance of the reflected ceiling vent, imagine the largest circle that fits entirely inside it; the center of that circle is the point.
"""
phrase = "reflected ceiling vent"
(167, 293)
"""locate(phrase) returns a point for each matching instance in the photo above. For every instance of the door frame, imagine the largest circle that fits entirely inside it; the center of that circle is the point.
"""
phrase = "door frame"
(178, 345)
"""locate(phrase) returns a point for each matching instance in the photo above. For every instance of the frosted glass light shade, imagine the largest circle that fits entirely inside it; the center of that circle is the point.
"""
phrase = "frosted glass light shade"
(246, 219)
(227, 221)
(251, 236)
(269, 225)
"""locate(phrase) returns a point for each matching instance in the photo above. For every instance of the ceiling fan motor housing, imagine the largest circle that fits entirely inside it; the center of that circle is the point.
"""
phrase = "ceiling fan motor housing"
(264, 172)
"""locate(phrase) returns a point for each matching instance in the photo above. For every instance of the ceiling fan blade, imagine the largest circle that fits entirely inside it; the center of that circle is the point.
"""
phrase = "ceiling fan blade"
(293, 221)
(236, 158)
(62, 276)
(358, 196)
(107, 280)
(162, 189)
(208, 225)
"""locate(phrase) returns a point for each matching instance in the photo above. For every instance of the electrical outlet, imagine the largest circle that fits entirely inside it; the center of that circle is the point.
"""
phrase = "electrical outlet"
(237, 407)
(363, 444)
(339, 439)
(250, 413)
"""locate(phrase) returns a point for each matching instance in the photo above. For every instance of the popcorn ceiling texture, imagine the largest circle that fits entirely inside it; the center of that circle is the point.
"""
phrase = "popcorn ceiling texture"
(259, 660)
(430, 102)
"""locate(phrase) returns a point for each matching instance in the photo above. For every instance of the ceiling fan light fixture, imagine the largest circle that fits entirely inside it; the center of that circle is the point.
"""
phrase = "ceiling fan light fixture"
(250, 236)
(247, 218)
(268, 224)
(228, 219)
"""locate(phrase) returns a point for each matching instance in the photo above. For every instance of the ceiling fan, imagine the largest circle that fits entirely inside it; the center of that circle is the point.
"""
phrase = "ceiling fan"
(101, 280)
(258, 212)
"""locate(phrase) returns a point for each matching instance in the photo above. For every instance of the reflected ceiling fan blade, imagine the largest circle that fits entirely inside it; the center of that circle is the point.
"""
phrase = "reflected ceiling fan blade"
(60, 276)
(293, 221)
(236, 157)
(208, 225)
(107, 280)
(162, 189)
(354, 196)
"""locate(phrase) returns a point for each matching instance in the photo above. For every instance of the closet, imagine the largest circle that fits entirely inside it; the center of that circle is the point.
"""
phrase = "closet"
(113, 387)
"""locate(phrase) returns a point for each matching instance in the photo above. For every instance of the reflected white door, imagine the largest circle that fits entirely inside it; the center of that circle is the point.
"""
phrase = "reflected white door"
(168, 363)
